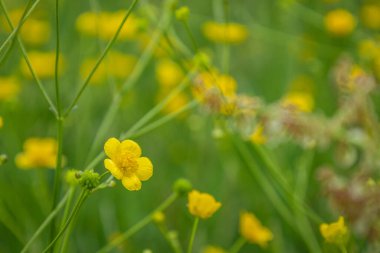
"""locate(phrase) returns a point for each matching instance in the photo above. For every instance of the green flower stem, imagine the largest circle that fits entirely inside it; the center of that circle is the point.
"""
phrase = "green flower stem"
(46, 222)
(238, 245)
(138, 226)
(73, 214)
(164, 119)
(56, 67)
(28, 62)
(132, 80)
(11, 36)
(191, 36)
(101, 58)
(173, 242)
(192, 235)
(66, 213)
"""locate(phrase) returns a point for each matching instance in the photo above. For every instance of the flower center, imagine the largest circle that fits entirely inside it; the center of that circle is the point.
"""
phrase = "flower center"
(128, 165)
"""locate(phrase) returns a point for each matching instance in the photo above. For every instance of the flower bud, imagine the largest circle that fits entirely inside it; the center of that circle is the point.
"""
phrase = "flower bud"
(182, 186)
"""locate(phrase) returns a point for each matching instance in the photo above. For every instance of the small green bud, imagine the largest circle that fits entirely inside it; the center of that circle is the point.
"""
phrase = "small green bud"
(182, 14)
(71, 177)
(89, 179)
(182, 186)
(202, 60)
(3, 159)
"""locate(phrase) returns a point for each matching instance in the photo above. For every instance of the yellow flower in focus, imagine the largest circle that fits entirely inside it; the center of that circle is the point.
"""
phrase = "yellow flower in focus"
(299, 101)
(116, 64)
(168, 73)
(126, 163)
(258, 136)
(336, 232)
(202, 205)
(340, 23)
(9, 88)
(38, 153)
(213, 249)
(252, 230)
(105, 25)
(370, 15)
(232, 33)
(43, 63)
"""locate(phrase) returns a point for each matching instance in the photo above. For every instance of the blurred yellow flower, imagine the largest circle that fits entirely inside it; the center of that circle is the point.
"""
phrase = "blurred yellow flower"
(336, 232)
(340, 23)
(177, 102)
(126, 163)
(252, 230)
(105, 25)
(232, 33)
(1, 122)
(213, 249)
(369, 49)
(257, 135)
(38, 153)
(9, 88)
(43, 64)
(168, 73)
(299, 101)
(202, 205)
(158, 217)
(370, 15)
(117, 64)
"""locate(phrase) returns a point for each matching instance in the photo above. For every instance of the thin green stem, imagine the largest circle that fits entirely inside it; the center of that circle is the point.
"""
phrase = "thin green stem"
(192, 235)
(73, 214)
(101, 58)
(238, 245)
(28, 62)
(172, 239)
(56, 67)
(58, 172)
(46, 222)
(138, 226)
(66, 213)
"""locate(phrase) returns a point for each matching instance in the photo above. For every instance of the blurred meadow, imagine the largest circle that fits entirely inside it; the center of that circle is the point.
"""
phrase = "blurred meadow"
(190, 126)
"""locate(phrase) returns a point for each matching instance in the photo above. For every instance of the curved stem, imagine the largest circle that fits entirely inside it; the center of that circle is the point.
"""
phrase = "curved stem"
(138, 226)
(45, 223)
(192, 236)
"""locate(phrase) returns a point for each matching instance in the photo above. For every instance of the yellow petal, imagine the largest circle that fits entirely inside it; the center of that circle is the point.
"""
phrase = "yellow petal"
(132, 183)
(111, 147)
(130, 147)
(111, 166)
(145, 169)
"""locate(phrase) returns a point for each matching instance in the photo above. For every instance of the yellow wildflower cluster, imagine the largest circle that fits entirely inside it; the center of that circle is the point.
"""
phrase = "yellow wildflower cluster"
(217, 91)
(126, 164)
(340, 23)
(43, 64)
(336, 232)
(252, 230)
(9, 88)
(169, 75)
(232, 33)
(202, 205)
(34, 32)
(105, 24)
(370, 15)
(38, 153)
(116, 64)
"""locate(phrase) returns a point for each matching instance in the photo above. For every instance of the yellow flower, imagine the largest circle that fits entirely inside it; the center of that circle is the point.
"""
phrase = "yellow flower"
(177, 102)
(225, 33)
(299, 101)
(369, 49)
(340, 23)
(9, 88)
(335, 232)
(43, 63)
(213, 249)
(257, 135)
(38, 152)
(116, 64)
(168, 73)
(370, 15)
(202, 205)
(105, 25)
(1, 122)
(126, 163)
(252, 230)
